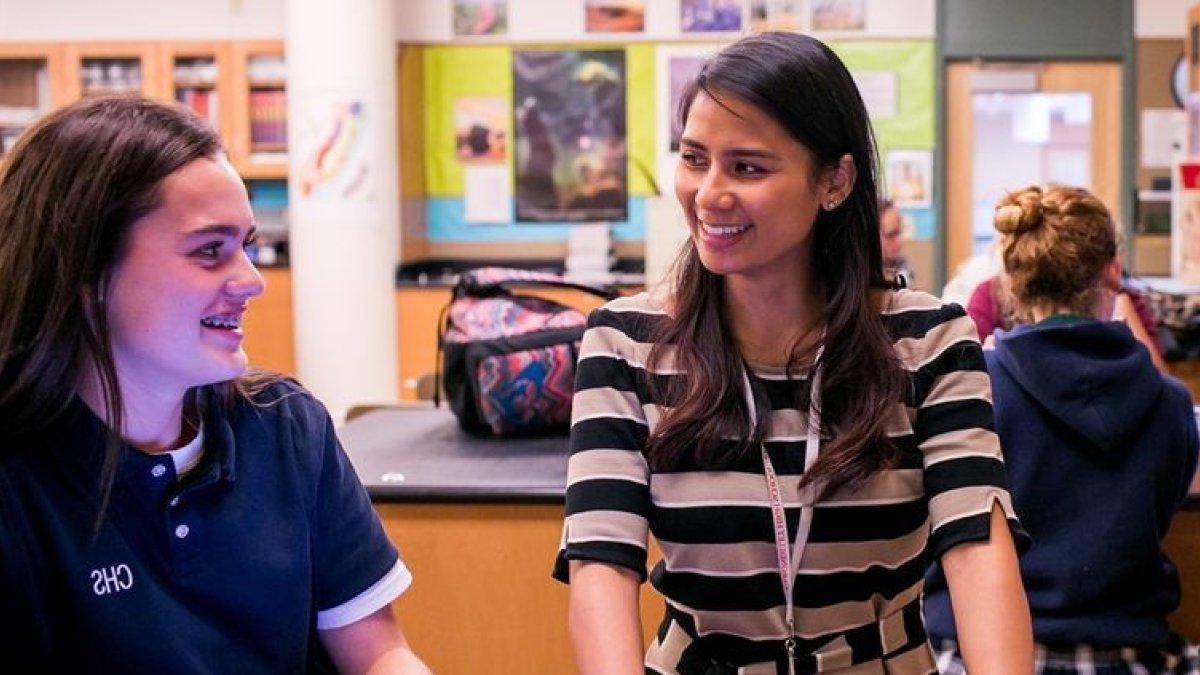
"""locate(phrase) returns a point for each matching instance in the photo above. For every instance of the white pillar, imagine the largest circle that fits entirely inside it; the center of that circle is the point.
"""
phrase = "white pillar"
(344, 206)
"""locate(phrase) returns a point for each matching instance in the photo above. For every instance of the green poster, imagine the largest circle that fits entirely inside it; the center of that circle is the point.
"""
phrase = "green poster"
(478, 73)
(912, 127)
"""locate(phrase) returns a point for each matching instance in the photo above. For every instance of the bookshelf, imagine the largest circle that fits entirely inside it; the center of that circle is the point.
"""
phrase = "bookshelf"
(30, 86)
(112, 68)
(200, 77)
(240, 87)
(259, 90)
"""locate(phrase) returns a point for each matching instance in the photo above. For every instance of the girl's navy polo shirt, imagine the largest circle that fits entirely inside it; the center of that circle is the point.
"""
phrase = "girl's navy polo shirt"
(229, 569)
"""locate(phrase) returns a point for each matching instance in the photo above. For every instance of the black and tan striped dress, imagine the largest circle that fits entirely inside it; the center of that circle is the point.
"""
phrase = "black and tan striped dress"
(857, 596)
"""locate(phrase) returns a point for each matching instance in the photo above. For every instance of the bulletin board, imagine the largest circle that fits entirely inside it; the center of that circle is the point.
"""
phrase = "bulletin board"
(909, 132)
(453, 73)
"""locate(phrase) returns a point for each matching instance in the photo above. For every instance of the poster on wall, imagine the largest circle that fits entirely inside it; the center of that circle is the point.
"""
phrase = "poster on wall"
(615, 16)
(333, 143)
(480, 130)
(681, 70)
(480, 17)
(774, 15)
(1185, 221)
(710, 16)
(838, 14)
(570, 148)
(680, 64)
(909, 178)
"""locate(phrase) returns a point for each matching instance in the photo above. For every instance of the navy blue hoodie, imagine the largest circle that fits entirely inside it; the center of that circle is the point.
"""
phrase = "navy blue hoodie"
(1100, 450)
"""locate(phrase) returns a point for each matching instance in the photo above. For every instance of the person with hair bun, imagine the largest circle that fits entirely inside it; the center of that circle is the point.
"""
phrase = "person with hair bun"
(798, 434)
(1100, 449)
(990, 306)
(162, 508)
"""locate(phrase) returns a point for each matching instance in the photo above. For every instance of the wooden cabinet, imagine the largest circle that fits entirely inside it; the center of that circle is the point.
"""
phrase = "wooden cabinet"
(31, 84)
(258, 137)
(417, 311)
(200, 76)
(1182, 544)
(268, 325)
(239, 86)
(113, 68)
(516, 616)
(481, 574)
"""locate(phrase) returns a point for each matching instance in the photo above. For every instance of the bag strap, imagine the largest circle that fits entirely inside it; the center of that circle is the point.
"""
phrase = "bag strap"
(484, 279)
(442, 325)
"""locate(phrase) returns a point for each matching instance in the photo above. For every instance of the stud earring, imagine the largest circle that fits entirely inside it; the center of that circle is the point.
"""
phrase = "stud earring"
(831, 205)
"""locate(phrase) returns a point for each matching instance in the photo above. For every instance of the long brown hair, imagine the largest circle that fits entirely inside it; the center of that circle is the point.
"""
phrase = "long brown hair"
(69, 193)
(799, 82)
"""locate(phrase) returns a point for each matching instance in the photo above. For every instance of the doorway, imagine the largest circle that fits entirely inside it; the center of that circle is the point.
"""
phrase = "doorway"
(1010, 124)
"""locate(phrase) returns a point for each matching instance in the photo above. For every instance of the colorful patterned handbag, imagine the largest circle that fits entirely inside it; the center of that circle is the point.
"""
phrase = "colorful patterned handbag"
(508, 360)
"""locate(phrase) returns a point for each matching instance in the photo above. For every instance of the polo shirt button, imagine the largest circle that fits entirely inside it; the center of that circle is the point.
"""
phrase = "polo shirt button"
(174, 501)
(181, 531)
(158, 470)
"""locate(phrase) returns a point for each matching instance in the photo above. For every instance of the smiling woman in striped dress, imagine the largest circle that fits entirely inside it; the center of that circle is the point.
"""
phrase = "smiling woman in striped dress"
(797, 435)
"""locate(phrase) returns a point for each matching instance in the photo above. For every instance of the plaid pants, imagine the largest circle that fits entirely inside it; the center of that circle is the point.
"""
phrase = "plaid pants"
(1178, 658)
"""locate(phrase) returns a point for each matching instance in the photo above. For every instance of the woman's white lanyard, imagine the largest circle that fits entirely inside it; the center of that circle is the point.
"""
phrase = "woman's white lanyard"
(789, 561)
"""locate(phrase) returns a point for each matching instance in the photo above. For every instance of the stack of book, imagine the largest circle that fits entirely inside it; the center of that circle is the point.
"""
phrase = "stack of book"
(268, 121)
(203, 101)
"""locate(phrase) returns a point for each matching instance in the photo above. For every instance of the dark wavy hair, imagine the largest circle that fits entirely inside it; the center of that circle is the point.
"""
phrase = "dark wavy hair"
(70, 191)
(803, 85)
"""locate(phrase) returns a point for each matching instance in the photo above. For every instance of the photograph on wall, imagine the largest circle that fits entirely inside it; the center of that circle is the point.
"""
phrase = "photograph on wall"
(481, 130)
(710, 16)
(774, 15)
(838, 14)
(569, 124)
(909, 178)
(480, 17)
(615, 16)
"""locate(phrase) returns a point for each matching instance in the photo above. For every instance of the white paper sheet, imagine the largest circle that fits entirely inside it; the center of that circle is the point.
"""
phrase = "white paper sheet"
(878, 90)
(1164, 135)
(487, 193)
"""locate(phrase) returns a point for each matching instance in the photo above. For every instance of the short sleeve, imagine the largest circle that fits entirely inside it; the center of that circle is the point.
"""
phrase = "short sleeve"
(608, 494)
(955, 430)
(1145, 316)
(356, 569)
(983, 310)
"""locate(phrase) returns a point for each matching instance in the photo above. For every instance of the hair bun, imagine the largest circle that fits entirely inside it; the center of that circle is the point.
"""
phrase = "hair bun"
(1022, 213)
